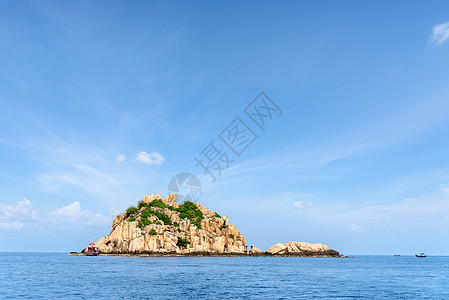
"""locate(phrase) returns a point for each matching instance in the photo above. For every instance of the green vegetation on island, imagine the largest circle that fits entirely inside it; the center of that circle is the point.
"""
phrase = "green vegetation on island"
(144, 211)
(182, 242)
(190, 211)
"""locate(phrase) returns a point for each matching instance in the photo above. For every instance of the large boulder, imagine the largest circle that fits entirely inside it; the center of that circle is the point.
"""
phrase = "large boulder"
(170, 200)
(301, 249)
(256, 250)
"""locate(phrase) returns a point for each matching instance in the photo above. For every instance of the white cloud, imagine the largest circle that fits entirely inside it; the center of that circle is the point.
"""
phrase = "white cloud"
(15, 217)
(444, 188)
(300, 204)
(73, 213)
(22, 214)
(154, 158)
(356, 228)
(11, 225)
(440, 33)
(120, 158)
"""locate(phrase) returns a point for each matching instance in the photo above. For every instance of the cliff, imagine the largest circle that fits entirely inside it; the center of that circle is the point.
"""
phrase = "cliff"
(163, 226)
(159, 226)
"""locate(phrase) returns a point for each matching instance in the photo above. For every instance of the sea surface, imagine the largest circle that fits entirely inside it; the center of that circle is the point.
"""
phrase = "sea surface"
(60, 276)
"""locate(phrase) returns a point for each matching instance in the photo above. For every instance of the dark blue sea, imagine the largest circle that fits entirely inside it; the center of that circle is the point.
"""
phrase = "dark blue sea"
(60, 276)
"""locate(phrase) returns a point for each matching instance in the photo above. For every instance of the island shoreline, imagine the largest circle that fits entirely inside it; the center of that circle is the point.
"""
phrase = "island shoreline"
(206, 255)
(163, 227)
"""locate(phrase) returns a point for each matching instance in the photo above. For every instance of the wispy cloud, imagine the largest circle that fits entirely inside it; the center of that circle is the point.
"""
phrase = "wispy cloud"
(154, 158)
(356, 228)
(444, 188)
(440, 34)
(87, 171)
(120, 158)
(301, 204)
(88, 178)
(427, 211)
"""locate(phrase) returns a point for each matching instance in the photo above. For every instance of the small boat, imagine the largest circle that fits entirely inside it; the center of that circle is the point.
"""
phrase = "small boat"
(420, 254)
(92, 250)
(397, 255)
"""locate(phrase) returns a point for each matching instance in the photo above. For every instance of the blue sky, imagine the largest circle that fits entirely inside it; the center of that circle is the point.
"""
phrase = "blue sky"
(103, 102)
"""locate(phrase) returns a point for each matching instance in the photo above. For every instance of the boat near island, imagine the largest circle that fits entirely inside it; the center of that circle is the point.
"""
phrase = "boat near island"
(421, 254)
(92, 250)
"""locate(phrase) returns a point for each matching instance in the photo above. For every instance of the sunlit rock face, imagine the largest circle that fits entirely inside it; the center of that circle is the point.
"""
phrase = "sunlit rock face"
(166, 227)
(301, 249)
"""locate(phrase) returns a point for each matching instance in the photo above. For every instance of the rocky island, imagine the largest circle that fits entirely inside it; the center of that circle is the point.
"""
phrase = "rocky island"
(159, 226)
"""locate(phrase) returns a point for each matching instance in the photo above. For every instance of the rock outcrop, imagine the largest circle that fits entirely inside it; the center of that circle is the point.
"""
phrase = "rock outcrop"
(301, 249)
(257, 251)
(159, 226)
(163, 226)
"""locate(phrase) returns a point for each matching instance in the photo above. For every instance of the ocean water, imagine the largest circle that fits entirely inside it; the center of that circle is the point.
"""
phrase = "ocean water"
(60, 276)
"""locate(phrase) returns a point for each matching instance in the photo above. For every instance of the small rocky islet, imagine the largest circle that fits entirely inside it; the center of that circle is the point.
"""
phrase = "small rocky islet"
(157, 227)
